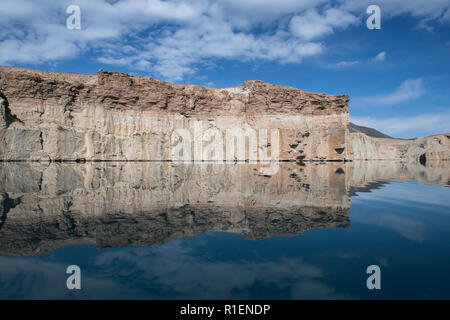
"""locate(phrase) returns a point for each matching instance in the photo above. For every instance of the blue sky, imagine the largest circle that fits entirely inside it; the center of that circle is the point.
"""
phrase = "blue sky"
(398, 77)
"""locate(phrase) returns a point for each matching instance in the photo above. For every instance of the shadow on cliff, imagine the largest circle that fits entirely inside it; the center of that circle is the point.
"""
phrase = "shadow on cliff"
(5, 111)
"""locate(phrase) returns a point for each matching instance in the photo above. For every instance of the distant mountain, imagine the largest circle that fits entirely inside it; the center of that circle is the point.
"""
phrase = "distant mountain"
(367, 131)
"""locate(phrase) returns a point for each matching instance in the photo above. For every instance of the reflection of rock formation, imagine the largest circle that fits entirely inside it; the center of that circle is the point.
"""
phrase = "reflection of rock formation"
(364, 175)
(46, 207)
(112, 204)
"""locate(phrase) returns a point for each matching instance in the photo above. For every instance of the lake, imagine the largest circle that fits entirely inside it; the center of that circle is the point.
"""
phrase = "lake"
(165, 230)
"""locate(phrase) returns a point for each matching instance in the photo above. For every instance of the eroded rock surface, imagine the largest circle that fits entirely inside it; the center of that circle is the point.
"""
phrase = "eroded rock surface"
(115, 116)
(421, 150)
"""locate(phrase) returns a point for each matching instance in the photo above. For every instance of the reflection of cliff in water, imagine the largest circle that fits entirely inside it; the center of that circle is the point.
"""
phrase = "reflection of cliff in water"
(113, 204)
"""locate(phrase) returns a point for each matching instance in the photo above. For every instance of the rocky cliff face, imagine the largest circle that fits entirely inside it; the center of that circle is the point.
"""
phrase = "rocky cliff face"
(421, 150)
(114, 116)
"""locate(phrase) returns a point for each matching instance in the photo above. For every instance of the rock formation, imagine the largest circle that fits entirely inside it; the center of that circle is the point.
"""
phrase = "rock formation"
(367, 131)
(421, 150)
(114, 116)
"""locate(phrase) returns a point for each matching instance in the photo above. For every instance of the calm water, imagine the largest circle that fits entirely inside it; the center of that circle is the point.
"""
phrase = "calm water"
(216, 231)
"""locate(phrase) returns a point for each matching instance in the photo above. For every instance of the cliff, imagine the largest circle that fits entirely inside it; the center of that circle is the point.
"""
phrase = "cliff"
(421, 150)
(115, 116)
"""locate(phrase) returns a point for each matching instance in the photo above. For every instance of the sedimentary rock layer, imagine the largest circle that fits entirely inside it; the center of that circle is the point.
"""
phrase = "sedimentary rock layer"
(421, 150)
(114, 116)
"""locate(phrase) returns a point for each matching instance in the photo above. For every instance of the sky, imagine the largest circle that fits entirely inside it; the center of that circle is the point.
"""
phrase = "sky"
(397, 77)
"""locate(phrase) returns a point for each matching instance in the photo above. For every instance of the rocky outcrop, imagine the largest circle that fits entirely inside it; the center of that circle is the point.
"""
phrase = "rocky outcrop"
(371, 132)
(115, 116)
(421, 150)
(3, 108)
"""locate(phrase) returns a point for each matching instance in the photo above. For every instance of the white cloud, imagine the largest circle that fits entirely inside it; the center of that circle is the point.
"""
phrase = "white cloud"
(410, 89)
(182, 270)
(432, 9)
(168, 38)
(171, 38)
(446, 17)
(408, 228)
(27, 278)
(174, 270)
(248, 12)
(380, 57)
(347, 63)
(408, 127)
(312, 25)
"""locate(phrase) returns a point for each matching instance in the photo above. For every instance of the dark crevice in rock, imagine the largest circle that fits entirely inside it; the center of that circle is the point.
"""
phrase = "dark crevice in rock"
(423, 159)
(6, 204)
(300, 159)
(5, 112)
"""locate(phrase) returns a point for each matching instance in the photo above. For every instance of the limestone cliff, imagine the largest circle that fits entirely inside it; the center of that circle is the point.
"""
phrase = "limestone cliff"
(115, 116)
(421, 150)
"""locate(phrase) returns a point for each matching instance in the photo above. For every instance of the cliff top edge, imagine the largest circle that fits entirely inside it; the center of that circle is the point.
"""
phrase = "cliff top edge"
(114, 75)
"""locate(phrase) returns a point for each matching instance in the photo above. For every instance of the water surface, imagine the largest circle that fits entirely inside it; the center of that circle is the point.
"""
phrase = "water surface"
(158, 230)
